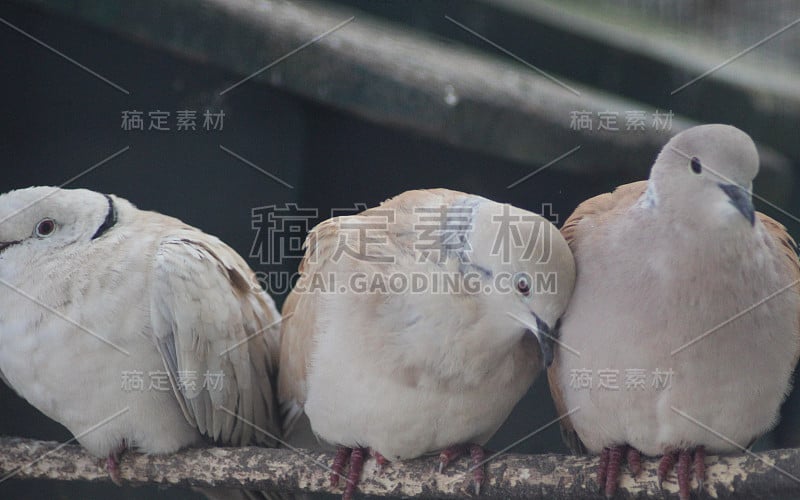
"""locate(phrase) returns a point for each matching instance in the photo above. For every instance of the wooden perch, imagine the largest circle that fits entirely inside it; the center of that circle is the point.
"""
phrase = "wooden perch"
(766, 474)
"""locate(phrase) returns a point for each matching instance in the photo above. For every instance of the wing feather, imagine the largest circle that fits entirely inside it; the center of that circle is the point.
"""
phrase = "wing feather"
(218, 334)
(789, 253)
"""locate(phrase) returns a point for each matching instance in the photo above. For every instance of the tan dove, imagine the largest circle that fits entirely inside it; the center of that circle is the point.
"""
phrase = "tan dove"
(403, 371)
(131, 328)
(684, 314)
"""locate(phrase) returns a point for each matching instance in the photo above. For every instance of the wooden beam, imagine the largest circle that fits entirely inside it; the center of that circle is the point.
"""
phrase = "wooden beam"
(397, 77)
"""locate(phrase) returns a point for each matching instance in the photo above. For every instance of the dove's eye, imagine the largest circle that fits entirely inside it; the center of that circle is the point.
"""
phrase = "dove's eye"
(45, 227)
(695, 165)
(523, 284)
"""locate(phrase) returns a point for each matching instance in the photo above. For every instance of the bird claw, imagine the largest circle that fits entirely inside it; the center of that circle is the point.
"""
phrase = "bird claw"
(477, 454)
(379, 459)
(339, 462)
(610, 464)
(664, 466)
(612, 475)
(634, 459)
(684, 474)
(687, 460)
(447, 455)
(112, 467)
(356, 458)
(354, 474)
(112, 464)
(700, 467)
(602, 469)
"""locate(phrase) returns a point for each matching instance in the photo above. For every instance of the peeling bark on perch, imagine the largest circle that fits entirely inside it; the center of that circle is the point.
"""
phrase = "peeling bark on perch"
(508, 476)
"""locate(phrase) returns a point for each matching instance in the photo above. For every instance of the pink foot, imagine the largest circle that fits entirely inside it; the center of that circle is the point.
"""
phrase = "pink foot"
(611, 464)
(356, 458)
(602, 468)
(449, 454)
(664, 466)
(477, 454)
(687, 461)
(354, 475)
(683, 471)
(380, 459)
(339, 462)
(700, 466)
(612, 471)
(112, 464)
(634, 459)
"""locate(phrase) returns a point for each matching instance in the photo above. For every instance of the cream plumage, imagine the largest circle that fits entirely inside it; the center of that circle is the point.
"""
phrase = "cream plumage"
(410, 373)
(94, 290)
(678, 275)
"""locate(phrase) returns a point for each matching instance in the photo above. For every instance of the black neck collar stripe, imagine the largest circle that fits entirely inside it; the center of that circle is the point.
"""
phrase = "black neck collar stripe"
(110, 221)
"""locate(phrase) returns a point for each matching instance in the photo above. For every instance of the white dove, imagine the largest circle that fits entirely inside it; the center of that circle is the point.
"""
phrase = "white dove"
(685, 288)
(414, 326)
(131, 328)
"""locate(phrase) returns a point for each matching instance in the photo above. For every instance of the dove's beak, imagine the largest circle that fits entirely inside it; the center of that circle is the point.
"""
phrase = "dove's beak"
(545, 339)
(741, 199)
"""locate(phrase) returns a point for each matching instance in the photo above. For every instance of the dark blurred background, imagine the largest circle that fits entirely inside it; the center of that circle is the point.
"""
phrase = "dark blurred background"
(339, 142)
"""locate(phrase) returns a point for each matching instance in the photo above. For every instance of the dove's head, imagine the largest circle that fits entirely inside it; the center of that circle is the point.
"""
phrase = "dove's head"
(529, 272)
(713, 165)
(38, 221)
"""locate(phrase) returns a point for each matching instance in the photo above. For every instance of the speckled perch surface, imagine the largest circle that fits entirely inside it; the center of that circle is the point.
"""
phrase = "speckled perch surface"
(761, 475)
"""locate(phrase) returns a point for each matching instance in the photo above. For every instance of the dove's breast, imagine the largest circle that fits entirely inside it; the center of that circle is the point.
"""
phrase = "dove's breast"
(361, 396)
(400, 420)
(669, 349)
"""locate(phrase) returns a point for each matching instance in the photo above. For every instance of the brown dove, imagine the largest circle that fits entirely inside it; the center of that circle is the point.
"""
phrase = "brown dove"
(684, 314)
